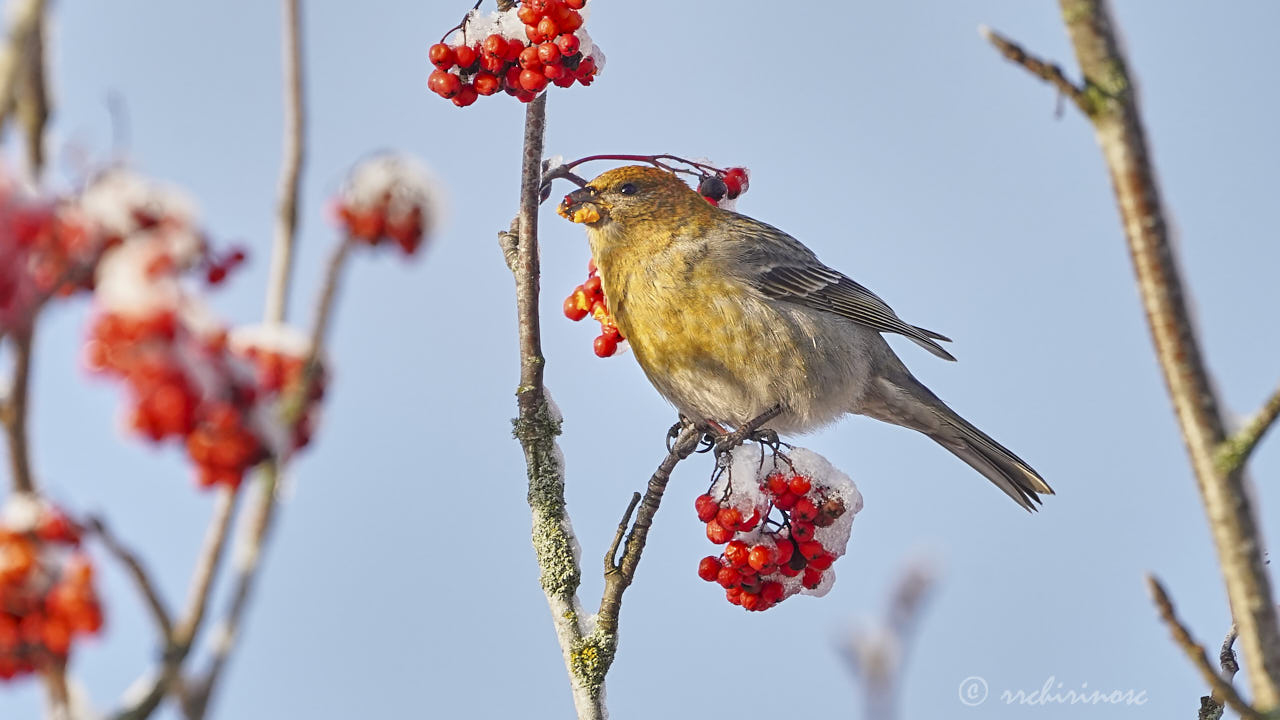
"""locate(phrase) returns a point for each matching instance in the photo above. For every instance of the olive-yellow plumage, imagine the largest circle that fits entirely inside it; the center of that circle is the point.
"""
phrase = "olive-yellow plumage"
(730, 317)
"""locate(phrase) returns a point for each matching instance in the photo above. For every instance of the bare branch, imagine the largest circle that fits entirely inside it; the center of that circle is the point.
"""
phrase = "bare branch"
(1227, 656)
(156, 685)
(1111, 104)
(291, 171)
(1222, 689)
(22, 19)
(1235, 450)
(137, 571)
(611, 555)
(13, 412)
(1046, 71)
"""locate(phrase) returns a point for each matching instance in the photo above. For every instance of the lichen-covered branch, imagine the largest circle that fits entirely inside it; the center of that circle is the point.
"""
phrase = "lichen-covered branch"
(1111, 103)
(1235, 450)
(537, 427)
(1223, 690)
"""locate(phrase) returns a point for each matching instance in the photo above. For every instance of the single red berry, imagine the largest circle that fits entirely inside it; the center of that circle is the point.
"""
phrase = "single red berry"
(751, 601)
(736, 180)
(549, 53)
(785, 549)
(486, 83)
(750, 523)
(444, 84)
(466, 56)
(569, 22)
(812, 578)
(495, 45)
(777, 484)
(804, 510)
(532, 80)
(547, 29)
(554, 72)
(513, 77)
(786, 502)
(709, 568)
(495, 64)
(441, 56)
(707, 507)
(528, 15)
(466, 95)
(788, 571)
(718, 533)
(575, 4)
(542, 7)
(730, 517)
(800, 484)
(736, 553)
(529, 58)
(572, 309)
(733, 595)
(811, 549)
(565, 80)
(216, 274)
(586, 68)
(761, 558)
(604, 346)
(772, 591)
(823, 561)
(801, 531)
(568, 44)
(728, 577)
(514, 48)
(592, 285)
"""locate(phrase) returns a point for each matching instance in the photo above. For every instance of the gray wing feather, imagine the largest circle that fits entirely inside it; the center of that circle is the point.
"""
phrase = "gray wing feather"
(781, 268)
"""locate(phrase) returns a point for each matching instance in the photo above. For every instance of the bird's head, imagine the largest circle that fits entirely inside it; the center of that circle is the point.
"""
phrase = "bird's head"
(627, 197)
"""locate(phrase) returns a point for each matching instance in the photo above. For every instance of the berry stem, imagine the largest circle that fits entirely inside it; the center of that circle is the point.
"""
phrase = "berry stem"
(13, 412)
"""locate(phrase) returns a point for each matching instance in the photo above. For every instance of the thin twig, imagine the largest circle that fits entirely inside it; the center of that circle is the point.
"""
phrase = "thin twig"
(253, 540)
(1046, 71)
(1235, 450)
(31, 98)
(291, 170)
(1227, 656)
(13, 413)
(611, 555)
(1222, 689)
(137, 571)
(156, 685)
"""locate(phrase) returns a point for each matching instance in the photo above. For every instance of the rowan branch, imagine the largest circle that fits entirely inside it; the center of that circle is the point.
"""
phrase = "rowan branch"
(1223, 690)
(23, 19)
(1111, 104)
(291, 170)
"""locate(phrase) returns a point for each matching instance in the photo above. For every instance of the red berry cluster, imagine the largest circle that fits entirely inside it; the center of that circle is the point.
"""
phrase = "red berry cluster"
(717, 189)
(218, 398)
(46, 249)
(772, 553)
(46, 590)
(555, 50)
(588, 299)
(387, 197)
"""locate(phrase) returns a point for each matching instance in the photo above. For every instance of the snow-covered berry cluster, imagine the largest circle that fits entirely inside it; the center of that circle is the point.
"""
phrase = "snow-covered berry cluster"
(588, 299)
(783, 523)
(47, 597)
(46, 250)
(186, 382)
(722, 190)
(389, 197)
(520, 51)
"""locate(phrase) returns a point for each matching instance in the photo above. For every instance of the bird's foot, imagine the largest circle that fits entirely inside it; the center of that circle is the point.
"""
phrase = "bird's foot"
(725, 442)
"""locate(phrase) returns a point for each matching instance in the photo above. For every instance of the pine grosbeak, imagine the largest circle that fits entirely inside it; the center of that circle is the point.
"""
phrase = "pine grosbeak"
(730, 317)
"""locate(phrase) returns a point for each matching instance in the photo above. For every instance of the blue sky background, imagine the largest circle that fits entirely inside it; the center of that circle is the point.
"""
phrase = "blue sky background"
(887, 136)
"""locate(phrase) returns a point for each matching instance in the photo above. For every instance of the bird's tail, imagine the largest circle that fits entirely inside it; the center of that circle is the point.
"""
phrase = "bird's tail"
(905, 401)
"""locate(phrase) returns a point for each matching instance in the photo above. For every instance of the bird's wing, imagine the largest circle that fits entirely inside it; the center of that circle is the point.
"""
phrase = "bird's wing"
(781, 268)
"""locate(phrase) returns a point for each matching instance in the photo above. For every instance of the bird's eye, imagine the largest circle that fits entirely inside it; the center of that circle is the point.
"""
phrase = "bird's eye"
(628, 189)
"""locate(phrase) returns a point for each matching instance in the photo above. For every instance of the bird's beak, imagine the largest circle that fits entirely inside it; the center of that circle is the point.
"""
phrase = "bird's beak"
(581, 206)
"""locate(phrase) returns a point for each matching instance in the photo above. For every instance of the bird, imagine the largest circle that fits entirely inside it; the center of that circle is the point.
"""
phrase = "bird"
(730, 317)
